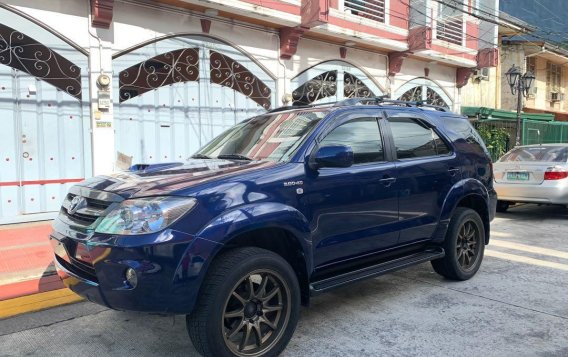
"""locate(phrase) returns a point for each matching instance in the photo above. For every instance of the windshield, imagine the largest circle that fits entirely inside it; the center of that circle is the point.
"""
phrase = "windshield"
(274, 137)
(537, 153)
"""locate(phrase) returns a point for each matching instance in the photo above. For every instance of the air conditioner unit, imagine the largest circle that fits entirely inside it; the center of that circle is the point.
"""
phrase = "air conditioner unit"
(532, 92)
(555, 96)
(482, 74)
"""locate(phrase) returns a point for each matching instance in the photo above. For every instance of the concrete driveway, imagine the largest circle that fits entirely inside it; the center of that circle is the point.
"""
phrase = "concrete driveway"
(517, 305)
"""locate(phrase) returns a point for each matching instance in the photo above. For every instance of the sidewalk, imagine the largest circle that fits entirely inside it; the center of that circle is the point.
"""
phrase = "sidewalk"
(26, 268)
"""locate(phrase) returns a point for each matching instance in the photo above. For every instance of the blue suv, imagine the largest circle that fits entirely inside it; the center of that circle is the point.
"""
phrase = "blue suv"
(279, 208)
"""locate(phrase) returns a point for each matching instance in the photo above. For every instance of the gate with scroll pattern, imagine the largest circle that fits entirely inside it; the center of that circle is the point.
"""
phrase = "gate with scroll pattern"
(174, 95)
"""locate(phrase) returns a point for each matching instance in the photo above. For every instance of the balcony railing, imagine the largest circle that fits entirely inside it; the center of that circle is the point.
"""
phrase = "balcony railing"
(450, 29)
(370, 9)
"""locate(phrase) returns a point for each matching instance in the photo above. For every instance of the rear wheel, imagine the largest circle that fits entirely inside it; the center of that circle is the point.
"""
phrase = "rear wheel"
(464, 246)
(248, 305)
(502, 206)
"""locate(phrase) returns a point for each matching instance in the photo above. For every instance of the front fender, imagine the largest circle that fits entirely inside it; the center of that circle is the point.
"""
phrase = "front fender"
(220, 230)
(460, 190)
(255, 216)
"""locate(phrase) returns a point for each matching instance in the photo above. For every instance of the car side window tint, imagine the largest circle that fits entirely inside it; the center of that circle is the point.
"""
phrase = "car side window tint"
(362, 135)
(441, 147)
(466, 131)
(414, 139)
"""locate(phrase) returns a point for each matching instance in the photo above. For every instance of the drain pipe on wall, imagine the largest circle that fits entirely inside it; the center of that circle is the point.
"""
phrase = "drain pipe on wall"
(103, 152)
(95, 36)
(284, 98)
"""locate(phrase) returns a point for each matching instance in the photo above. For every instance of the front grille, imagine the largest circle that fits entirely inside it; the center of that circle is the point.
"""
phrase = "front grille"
(87, 213)
(76, 223)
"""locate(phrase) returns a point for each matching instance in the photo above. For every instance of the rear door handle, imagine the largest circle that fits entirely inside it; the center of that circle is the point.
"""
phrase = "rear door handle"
(453, 171)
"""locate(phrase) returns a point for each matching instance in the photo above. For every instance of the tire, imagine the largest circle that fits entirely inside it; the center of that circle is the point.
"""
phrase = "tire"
(502, 206)
(221, 319)
(466, 227)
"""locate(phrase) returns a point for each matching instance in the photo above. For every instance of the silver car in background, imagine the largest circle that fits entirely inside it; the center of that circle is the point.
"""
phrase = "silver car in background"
(532, 174)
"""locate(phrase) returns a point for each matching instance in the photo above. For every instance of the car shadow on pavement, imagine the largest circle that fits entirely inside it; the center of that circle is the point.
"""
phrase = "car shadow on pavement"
(534, 212)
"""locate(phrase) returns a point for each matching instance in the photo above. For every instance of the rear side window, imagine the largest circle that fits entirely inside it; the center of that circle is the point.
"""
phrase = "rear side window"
(465, 130)
(362, 135)
(537, 153)
(413, 139)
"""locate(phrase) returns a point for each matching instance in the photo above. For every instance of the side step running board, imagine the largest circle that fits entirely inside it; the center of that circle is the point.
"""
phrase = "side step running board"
(323, 285)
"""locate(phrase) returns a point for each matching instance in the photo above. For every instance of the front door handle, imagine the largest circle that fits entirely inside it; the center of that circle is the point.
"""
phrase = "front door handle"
(453, 171)
(387, 180)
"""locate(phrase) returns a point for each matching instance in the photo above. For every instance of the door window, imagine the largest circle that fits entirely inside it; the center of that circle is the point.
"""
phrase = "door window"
(362, 135)
(413, 139)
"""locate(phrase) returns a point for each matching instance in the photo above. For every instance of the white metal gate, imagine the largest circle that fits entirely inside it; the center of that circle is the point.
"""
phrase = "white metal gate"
(43, 130)
(175, 95)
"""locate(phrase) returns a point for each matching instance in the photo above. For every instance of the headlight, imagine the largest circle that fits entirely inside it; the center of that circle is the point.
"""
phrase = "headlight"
(145, 215)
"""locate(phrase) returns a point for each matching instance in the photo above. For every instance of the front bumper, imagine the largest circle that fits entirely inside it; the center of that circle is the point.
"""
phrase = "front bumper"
(169, 271)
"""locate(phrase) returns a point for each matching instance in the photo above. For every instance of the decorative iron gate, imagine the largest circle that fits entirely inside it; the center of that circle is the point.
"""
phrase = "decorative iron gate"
(44, 144)
(332, 81)
(423, 89)
(176, 94)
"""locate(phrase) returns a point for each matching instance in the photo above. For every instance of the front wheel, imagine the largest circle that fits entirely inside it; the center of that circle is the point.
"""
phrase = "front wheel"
(464, 246)
(248, 305)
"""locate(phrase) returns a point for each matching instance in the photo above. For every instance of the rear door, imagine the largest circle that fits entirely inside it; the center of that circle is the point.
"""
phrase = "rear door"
(426, 170)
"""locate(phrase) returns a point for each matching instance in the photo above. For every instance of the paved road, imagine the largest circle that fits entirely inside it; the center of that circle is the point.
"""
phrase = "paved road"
(517, 305)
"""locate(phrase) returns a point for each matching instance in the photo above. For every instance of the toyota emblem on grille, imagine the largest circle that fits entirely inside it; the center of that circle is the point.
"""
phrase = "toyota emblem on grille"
(76, 203)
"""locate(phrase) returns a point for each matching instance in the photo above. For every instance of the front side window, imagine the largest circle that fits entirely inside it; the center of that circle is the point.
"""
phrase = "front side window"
(362, 135)
(272, 137)
(413, 139)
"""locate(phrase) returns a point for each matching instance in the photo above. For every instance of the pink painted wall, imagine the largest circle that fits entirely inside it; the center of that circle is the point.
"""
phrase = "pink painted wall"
(399, 13)
(472, 34)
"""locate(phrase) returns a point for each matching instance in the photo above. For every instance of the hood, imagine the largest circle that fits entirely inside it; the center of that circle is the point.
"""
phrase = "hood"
(163, 179)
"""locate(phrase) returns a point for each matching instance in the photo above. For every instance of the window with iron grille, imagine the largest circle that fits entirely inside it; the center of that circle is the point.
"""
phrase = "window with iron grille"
(553, 77)
(531, 64)
(449, 25)
(370, 9)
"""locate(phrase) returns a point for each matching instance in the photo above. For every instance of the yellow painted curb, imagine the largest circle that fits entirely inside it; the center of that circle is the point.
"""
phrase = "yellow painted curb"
(37, 302)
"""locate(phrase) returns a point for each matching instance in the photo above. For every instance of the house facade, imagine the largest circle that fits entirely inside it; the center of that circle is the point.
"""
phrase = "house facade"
(517, 47)
(89, 87)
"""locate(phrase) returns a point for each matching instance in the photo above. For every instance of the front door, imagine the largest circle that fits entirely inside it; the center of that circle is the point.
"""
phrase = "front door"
(426, 171)
(354, 210)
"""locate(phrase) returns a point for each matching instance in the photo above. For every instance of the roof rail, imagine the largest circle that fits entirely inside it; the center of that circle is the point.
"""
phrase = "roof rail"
(365, 100)
(425, 104)
(292, 107)
(360, 100)
(385, 100)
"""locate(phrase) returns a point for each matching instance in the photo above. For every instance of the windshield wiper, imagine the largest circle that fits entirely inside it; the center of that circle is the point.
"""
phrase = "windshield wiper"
(234, 157)
(200, 156)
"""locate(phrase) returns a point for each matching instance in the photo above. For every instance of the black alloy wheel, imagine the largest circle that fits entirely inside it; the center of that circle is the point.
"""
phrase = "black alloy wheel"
(255, 313)
(248, 305)
(464, 246)
(467, 247)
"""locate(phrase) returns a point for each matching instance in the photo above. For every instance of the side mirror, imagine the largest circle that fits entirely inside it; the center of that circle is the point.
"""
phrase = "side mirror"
(332, 156)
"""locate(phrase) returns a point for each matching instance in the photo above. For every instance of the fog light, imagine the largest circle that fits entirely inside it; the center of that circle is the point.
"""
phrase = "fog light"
(131, 277)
